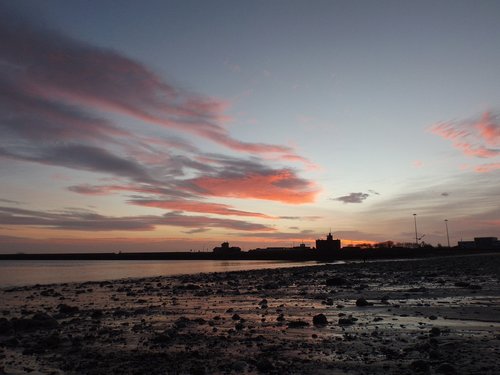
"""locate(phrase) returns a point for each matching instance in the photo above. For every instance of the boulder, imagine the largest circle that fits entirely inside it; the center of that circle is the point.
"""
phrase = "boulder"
(320, 320)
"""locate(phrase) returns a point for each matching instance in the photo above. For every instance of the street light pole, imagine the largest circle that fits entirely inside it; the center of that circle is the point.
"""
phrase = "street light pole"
(447, 234)
(416, 236)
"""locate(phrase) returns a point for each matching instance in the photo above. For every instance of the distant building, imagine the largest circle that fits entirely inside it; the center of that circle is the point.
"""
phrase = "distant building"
(480, 243)
(466, 245)
(486, 242)
(328, 245)
(224, 249)
(301, 248)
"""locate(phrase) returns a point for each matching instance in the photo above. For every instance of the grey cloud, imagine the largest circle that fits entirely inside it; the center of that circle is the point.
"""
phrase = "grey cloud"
(195, 231)
(82, 157)
(58, 65)
(352, 198)
(90, 221)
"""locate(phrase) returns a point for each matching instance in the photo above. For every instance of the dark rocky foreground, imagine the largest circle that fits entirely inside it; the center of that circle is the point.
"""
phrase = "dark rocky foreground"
(433, 316)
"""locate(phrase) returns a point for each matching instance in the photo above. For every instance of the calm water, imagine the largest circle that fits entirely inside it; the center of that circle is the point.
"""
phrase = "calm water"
(29, 272)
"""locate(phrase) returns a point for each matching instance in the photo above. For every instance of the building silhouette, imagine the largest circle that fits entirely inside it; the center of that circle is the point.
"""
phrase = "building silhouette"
(302, 248)
(329, 245)
(225, 249)
(480, 243)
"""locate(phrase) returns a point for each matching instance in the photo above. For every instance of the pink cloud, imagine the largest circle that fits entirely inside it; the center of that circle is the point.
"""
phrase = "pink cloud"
(472, 138)
(485, 168)
(277, 185)
(489, 129)
(447, 130)
(194, 206)
(477, 151)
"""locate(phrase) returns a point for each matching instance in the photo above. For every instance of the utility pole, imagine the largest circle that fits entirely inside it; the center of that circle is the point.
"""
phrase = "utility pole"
(416, 236)
(447, 234)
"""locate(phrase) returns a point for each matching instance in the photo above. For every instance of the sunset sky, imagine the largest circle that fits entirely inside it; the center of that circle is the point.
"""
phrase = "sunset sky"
(176, 125)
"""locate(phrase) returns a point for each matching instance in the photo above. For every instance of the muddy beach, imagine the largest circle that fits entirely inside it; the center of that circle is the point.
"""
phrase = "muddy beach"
(433, 316)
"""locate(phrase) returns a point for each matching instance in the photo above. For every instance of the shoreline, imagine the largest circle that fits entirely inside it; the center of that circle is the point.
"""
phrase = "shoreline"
(346, 253)
(376, 317)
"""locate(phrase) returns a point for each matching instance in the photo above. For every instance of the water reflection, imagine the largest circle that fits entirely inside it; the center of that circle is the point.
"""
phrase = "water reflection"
(17, 273)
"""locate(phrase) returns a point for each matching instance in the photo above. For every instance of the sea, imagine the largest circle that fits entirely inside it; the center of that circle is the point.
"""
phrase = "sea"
(31, 272)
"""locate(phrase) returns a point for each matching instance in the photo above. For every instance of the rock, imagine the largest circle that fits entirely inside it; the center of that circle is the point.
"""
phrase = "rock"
(271, 286)
(446, 368)
(47, 292)
(182, 322)
(239, 366)
(474, 287)
(263, 302)
(10, 343)
(435, 331)
(236, 317)
(462, 284)
(433, 317)
(51, 341)
(66, 309)
(329, 302)
(120, 312)
(162, 338)
(198, 370)
(418, 290)
(96, 314)
(38, 321)
(346, 321)
(385, 299)
(297, 324)
(280, 318)
(320, 320)
(336, 281)
(420, 366)
(264, 365)
(5, 326)
(434, 354)
(361, 302)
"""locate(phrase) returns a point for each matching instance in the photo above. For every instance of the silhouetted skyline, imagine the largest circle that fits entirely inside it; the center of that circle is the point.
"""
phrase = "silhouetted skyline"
(170, 125)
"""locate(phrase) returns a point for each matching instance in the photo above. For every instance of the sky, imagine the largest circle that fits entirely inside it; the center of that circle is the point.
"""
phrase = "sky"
(177, 125)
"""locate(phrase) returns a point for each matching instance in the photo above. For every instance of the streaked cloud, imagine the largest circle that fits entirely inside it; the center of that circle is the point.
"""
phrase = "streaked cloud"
(90, 221)
(61, 100)
(486, 168)
(82, 157)
(478, 138)
(196, 206)
(58, 72)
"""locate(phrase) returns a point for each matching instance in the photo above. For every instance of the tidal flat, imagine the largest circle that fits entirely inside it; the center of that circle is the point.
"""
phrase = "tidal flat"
(431, 316)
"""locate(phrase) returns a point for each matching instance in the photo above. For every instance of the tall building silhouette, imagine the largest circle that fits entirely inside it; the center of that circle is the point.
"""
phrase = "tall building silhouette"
(328, 245)
(225, 249)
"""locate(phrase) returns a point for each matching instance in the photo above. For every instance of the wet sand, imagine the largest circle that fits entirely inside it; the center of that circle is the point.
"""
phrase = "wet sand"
(433, 316)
